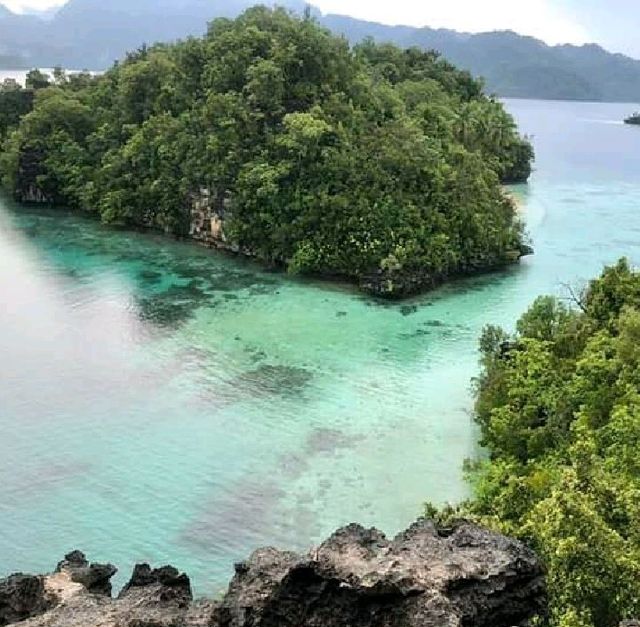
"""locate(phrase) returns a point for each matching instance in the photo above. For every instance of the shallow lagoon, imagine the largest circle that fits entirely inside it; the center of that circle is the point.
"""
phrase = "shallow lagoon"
(164, 403)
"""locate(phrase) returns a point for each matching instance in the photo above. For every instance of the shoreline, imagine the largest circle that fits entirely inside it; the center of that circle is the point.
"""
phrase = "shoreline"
(374, 284)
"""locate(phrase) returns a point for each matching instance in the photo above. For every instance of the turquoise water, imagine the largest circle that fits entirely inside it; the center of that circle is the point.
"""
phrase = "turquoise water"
(161, 402)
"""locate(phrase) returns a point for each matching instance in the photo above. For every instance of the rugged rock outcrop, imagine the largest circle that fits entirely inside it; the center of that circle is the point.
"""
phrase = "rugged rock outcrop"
(96, 578)
(31, 167)
(22, 596)
(464, 576)
(152, 598)
(209, 209)
(26, 596)
(426, 577)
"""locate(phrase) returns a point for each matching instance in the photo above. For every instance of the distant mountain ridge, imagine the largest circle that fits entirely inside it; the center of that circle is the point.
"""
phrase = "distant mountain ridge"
(92, 34)
(515, 65)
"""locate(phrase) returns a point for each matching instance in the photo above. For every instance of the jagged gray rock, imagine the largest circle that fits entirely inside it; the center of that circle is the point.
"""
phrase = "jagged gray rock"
(426, 577)
(152, 598)
(22, 596)
(95, 578)
(463, 576)
(177, 585)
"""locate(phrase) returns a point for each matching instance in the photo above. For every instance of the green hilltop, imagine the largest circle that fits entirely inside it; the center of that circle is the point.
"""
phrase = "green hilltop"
(375, 164)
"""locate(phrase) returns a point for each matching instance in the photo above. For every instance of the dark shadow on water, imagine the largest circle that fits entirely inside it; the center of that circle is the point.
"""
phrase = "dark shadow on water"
(328, 441)
(408, 310)
(216, 389)
(268, 380)
(164, 312)
(173, 306)
(149, 278)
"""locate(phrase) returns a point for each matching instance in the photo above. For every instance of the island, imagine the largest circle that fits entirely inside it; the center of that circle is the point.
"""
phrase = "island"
(273, 138)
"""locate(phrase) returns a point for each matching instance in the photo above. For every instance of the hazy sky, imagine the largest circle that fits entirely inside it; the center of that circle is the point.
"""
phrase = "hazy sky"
(612, 23)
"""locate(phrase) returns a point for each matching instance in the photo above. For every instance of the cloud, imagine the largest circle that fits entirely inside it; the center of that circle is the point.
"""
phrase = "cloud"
(19, 6)
(613, 23)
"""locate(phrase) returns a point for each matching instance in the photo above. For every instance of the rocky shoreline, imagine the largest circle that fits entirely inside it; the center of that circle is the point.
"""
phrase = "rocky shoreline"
(428, 576)
(210, 210)
(206, 215)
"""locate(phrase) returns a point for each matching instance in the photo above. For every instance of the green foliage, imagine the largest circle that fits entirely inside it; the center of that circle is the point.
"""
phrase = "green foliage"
(15, 103)
(559, 408)
(334, 160)
(37, 80)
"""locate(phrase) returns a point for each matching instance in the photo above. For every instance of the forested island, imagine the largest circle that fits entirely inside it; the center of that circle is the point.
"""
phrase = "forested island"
(273, 137)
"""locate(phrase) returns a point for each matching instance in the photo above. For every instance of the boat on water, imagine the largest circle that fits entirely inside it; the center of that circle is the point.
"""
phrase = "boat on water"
(633, 119)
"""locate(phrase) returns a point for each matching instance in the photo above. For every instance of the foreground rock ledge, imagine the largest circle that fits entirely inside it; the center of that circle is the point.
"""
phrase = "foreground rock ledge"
(463, 576)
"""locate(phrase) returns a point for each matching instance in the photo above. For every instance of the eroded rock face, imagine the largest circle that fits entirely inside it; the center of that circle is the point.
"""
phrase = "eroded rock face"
(426, 577)
(22, 596)
(152, 598)
(175, 583)
(95, 578)
(30, 167)
(157, 597)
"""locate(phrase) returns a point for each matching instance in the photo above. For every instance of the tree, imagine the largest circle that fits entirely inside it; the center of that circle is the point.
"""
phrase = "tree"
(59, 76)
(10, 84)
(37, 80)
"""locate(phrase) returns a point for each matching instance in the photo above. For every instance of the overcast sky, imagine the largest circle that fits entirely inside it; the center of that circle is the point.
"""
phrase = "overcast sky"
(613, 23)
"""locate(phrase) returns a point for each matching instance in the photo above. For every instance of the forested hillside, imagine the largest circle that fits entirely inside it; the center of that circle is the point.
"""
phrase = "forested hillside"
(376, 164)
(559, 409)
(90, 34)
